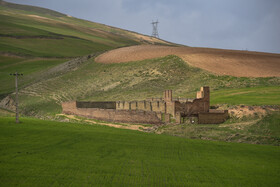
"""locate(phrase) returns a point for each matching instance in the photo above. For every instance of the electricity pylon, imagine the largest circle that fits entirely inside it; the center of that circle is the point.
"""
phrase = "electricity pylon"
(155, 30)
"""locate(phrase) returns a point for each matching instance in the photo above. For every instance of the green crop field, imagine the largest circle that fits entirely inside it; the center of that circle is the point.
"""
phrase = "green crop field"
(45, 153)
(269, 95)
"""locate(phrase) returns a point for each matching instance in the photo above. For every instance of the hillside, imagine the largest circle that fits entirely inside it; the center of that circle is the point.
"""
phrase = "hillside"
(48, 153)
(139, 80)
(62, 59)
(218, 61)
(34, 39)
(57, 55)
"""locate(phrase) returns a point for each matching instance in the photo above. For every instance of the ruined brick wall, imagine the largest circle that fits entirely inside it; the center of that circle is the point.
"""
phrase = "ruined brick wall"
(199, 94)
(126, 105)
(213, 117)
(126, 116)
(192, 108)
(133, 105)
(142, 105)
(119, 105)
(150, 110)
(69, 107)
(198, 105)
(170, 107)
(155, 106)
(203, 93)
(167, 95)
(103, 105)
(206, 98)
(158, 106)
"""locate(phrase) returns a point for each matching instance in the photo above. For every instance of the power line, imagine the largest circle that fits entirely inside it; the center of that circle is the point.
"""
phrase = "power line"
(16, 82)
(155, 30)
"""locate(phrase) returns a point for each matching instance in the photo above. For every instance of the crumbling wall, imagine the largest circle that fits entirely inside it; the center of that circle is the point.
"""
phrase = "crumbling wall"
(192, 108)
(213, 117)
(198, 105)
(150, 111)
(142, 105)
(126, 116)
(170, 107)
(167, 95)
(126, 105)
(103, 105)
(133, 105)
(156, 106)
(120, 105)
(203, 93)
(69, 107)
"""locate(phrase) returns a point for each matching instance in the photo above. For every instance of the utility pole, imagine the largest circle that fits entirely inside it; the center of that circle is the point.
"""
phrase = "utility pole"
(16, 82)
(155, 30)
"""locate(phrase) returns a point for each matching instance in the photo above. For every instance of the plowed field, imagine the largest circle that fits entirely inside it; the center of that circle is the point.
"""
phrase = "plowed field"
(218, 61)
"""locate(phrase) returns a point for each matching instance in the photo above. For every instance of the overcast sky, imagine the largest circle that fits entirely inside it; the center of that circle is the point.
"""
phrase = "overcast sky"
(230, 24)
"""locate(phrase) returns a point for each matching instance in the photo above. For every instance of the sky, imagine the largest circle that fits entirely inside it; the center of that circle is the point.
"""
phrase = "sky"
(252, 25)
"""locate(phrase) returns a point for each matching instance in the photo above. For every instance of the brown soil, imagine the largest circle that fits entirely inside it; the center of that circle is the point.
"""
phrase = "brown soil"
(218, 61)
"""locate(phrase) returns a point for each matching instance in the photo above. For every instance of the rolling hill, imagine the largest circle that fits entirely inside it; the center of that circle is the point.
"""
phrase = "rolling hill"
(62, 59)
(48, 153)
(34, 39)
(65, 58)
(217, 61)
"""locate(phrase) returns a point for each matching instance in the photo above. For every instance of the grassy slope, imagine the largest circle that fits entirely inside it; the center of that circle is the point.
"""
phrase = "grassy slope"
(50, 153)
(49, 40)
(139, 80)
(36, 39)
(149, 78)
(250, 130)
(38, 152)
(6, 113)
(31, 68)
(32, 36)
(268, 95)
(39, 33)
(27, 31)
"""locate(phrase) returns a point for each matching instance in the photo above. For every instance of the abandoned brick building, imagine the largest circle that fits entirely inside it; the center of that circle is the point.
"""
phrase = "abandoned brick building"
(151, 111)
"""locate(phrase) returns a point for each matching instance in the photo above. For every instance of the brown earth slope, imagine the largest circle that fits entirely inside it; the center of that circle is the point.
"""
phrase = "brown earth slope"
(218, 61)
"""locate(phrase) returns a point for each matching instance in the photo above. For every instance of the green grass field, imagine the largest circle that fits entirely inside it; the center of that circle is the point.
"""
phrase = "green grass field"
(31, 68)
(45, 153)
(269, 95)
